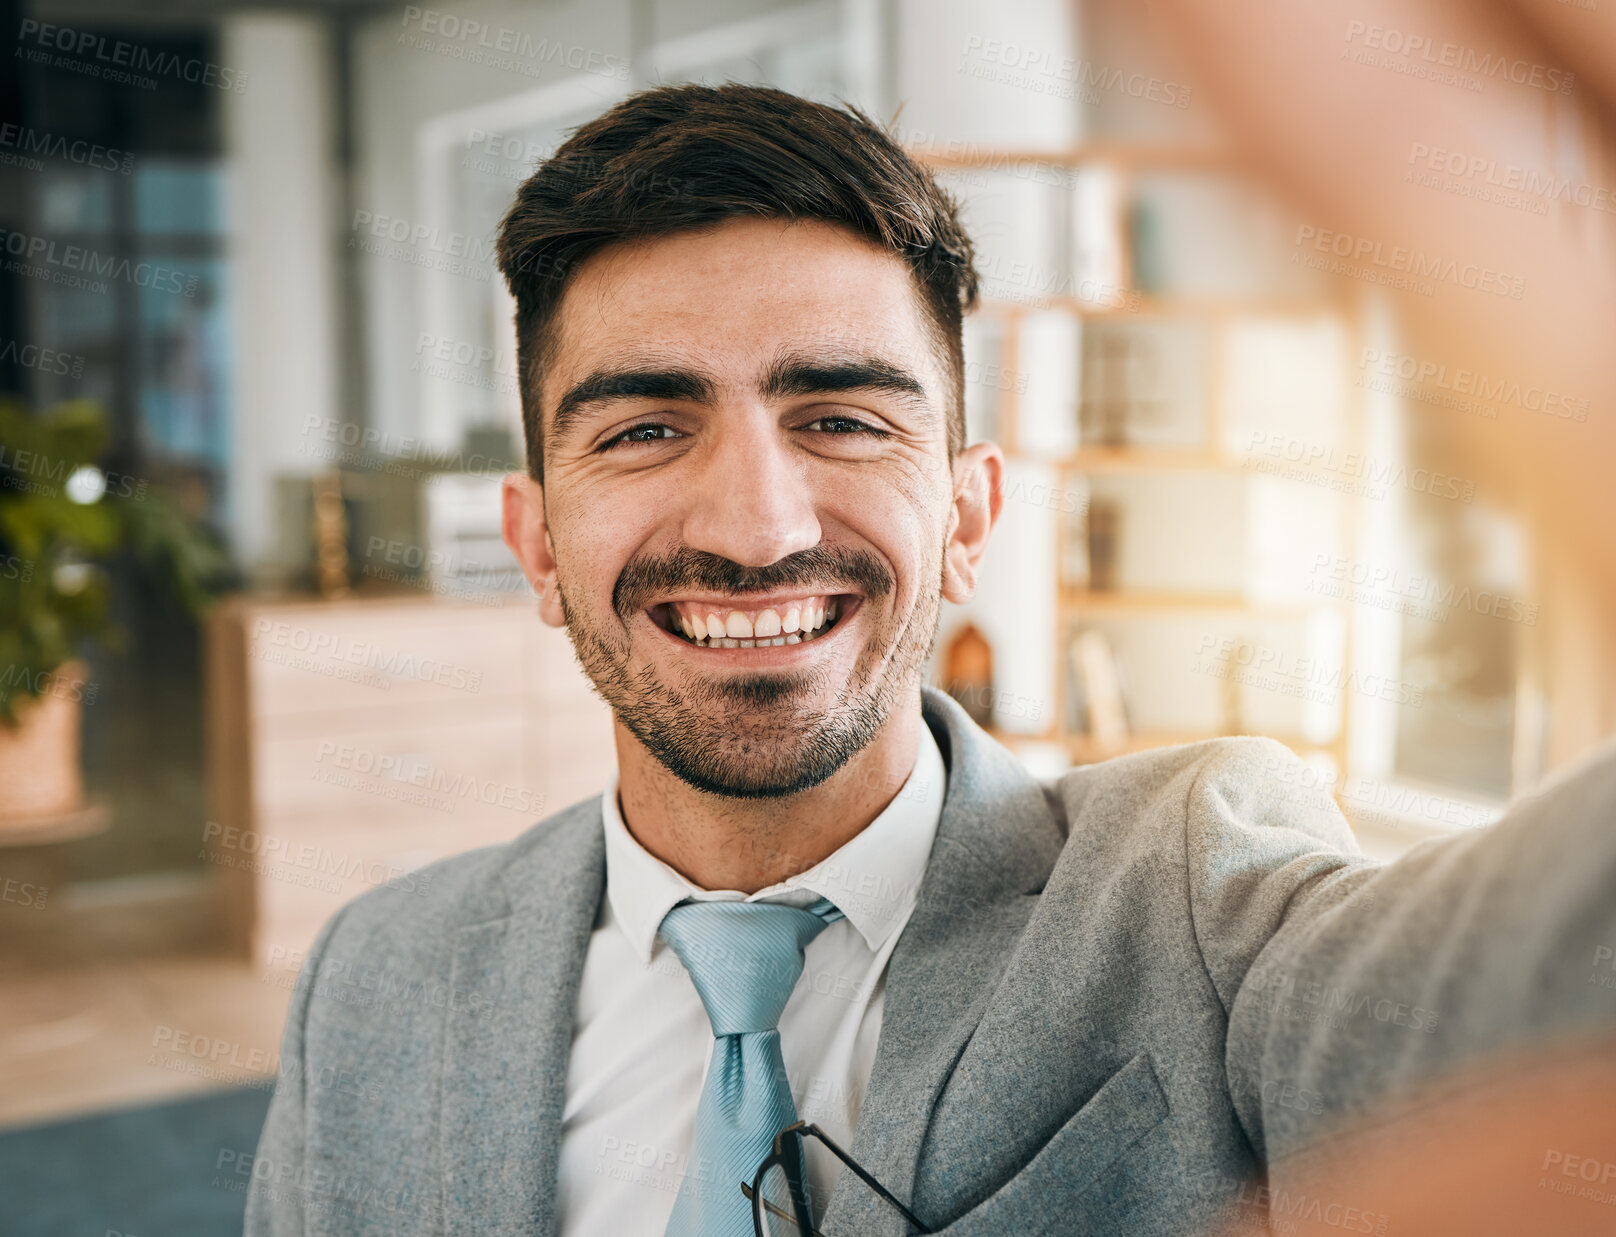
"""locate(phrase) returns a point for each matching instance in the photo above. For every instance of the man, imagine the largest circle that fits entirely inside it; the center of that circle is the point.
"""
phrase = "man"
(815, 889)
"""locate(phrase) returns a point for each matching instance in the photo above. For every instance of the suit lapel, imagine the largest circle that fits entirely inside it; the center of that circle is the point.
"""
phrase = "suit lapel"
(997, 841)
(511, 1005)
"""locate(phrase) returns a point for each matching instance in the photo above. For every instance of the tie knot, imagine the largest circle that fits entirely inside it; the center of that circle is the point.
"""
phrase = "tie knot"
(744, 957)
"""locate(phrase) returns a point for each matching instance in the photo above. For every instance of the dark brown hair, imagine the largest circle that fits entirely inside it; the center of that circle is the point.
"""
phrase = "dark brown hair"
(689, 157)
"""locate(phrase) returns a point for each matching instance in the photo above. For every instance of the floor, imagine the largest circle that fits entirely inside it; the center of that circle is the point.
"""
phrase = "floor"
(180, 1169)
(77, 1041)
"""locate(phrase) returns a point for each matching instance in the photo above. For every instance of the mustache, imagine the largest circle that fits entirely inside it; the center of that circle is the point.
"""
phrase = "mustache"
(825, 569)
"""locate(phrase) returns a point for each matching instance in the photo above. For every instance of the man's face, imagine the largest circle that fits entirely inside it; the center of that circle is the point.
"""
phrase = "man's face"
(746, 498)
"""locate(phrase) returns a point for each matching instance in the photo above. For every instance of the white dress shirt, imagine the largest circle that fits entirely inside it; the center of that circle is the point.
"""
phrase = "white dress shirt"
(642, 1042)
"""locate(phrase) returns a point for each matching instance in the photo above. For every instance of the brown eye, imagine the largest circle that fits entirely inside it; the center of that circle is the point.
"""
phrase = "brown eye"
(647, 431)
(846, 425)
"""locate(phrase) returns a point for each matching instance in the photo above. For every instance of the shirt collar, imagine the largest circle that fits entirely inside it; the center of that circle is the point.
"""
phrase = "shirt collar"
(873, 878)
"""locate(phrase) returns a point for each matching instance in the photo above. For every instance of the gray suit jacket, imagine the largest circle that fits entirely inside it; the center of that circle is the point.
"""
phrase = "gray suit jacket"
(1122, 993)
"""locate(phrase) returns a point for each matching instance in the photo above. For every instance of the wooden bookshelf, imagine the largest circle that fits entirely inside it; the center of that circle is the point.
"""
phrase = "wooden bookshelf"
(1138, 307)
(1124, 603)
(1076, 607)
(1185, 156)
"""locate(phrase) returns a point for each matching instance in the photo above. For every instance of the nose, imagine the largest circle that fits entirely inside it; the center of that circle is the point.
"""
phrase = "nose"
(754, 503)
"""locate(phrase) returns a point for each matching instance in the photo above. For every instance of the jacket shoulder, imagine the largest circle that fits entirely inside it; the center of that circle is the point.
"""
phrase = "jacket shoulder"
(423, 905)
(1242, 782)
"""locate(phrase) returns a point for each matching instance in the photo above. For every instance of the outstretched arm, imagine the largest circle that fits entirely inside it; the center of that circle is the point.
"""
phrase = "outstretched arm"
(1387, 978)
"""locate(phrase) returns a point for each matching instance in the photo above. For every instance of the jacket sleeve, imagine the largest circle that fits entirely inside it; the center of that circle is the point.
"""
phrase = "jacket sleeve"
(1379, 979)
(276, 1193)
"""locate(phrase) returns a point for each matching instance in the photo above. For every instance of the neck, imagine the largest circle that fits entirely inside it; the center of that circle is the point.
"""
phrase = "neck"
(717, 842)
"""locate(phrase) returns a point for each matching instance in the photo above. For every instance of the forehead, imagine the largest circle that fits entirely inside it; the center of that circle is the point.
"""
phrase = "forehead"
(730, 297)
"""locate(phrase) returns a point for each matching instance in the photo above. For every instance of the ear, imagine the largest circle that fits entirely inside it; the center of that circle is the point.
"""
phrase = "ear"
(978, 498)
(527, 533)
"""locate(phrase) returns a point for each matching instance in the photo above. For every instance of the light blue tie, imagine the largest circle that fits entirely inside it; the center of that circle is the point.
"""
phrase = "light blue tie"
(744, 958)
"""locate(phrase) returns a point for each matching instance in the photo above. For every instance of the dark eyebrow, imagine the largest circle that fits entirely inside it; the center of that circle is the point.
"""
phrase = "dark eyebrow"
(805, 375)
(608, 385)
(789, 375)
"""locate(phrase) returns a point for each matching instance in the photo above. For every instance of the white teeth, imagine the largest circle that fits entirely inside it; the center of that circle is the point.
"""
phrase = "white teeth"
(801, 621)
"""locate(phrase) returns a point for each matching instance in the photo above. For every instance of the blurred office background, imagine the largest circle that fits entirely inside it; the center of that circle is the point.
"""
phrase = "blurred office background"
(1295, 335)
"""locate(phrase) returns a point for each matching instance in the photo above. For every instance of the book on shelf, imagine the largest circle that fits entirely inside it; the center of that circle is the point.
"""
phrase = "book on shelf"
(1096, 699)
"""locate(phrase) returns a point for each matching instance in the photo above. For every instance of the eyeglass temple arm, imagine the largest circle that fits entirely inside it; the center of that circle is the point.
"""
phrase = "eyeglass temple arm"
(807, 1127)
(776, 1211)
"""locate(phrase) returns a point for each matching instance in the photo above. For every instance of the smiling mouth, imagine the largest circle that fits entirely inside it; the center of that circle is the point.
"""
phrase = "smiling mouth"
(719, 626)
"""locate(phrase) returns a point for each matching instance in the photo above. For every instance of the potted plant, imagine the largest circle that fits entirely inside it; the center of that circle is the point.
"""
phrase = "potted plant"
(60, 516)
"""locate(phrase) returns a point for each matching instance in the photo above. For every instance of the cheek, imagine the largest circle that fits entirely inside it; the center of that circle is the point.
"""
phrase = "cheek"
(593, 542)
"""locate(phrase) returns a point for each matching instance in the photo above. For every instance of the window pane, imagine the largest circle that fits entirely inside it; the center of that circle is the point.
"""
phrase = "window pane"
(176, 197)
(75, 200)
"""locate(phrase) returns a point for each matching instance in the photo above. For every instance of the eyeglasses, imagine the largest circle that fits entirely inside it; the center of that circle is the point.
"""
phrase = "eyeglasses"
(779, 1192)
